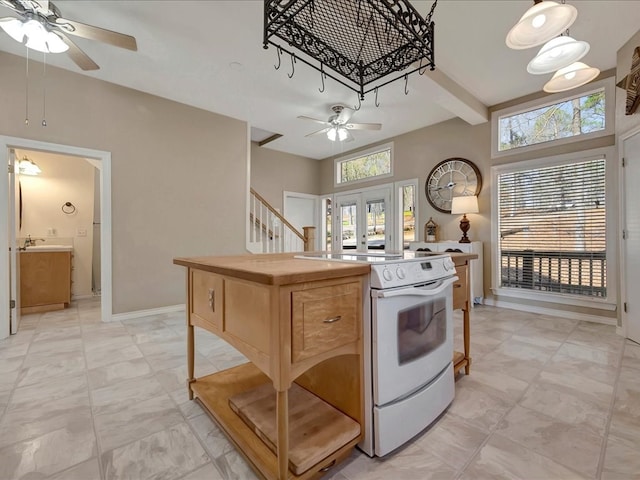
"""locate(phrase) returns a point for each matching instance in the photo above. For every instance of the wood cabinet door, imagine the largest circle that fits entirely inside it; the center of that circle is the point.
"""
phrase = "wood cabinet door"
(460, 288)
(45, 278)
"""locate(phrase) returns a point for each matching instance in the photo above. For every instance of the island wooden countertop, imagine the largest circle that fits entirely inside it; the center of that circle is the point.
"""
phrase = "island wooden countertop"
(274, 268)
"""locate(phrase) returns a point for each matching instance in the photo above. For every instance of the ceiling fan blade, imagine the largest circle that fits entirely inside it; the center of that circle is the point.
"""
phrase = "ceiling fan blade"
(344, 115)
(350, 137)
(78, 56)
(319, 132)
(95, 33)
(363, 126)
(321, 122)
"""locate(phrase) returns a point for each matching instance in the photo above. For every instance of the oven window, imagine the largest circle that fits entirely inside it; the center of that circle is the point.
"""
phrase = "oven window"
(421, 329)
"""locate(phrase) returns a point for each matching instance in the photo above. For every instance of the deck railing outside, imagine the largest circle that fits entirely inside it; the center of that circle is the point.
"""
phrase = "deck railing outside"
(576, 273)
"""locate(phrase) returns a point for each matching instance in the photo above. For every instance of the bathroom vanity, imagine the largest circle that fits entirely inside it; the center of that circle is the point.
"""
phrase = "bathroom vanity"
(45, 278)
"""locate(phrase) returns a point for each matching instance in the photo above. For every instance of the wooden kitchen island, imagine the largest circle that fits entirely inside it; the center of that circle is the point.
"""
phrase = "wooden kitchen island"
(462, 301)
(296, 409)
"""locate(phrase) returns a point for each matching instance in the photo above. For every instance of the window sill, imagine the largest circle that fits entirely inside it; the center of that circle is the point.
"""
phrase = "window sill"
(595, 303)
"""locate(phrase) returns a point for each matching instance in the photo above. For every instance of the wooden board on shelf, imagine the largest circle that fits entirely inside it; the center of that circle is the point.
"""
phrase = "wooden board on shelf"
(213, 393)
(316, 429)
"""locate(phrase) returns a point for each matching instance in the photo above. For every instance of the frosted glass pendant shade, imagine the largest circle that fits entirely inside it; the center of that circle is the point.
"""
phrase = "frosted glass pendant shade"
(557, 53)
(36, 35)
(540, 24)
(575, 75)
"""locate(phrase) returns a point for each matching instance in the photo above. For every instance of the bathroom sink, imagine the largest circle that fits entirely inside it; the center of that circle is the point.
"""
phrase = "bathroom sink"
(49, 248)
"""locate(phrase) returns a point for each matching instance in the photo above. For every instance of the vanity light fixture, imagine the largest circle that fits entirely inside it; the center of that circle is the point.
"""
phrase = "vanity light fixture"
(28, 167)
(34, 35)
(575, 75)
(557, 53)
(542, 22)
(463, 205)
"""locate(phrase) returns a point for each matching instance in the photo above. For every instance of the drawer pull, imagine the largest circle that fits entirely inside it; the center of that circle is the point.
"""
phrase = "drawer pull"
(457, 285)
(333, 320)
(212, 299)
(328, 467)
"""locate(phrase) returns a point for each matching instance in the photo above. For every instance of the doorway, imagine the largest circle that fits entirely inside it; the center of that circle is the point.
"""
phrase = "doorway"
(630, 262)
(363, 220)
(102, 161)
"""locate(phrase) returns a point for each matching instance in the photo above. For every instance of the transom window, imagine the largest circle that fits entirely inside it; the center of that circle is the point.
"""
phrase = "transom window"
(552, 228)
(368, 165)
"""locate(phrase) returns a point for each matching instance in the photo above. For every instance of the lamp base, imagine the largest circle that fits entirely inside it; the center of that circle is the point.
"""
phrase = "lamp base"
(464, 226)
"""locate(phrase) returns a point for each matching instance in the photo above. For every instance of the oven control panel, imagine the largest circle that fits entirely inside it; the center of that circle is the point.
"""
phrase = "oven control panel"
(410, 272)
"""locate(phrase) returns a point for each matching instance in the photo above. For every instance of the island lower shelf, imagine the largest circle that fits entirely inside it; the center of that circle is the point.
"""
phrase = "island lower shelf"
(213, 393)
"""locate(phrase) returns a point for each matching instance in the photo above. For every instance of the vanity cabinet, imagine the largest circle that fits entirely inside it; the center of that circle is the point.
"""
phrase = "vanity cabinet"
(45, 281)
(296, 408)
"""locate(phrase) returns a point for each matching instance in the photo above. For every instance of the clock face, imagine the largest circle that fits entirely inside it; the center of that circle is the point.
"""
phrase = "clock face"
(450, 178)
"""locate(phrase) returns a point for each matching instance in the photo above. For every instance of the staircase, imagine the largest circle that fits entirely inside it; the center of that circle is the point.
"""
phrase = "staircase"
(270, 232)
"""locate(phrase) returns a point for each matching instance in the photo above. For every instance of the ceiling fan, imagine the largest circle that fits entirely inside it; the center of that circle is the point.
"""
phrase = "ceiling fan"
(337, 127)
(40, 26)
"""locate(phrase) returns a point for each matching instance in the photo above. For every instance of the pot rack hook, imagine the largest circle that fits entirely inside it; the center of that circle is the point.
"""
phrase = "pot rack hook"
(357, 107)
(293, 66)
(376, 90)
(322, 77)
(278, 51)
(422, 69)
(406, 84)
(68, 208)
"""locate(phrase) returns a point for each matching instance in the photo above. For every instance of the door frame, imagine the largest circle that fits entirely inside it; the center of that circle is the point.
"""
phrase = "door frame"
(104, 158)
(623, 329)
(287, 195)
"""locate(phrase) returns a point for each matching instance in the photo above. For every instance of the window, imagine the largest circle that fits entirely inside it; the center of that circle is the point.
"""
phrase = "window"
(406, 212)
(572, 117)
(367, 165)
(555, 120)
(552, 228)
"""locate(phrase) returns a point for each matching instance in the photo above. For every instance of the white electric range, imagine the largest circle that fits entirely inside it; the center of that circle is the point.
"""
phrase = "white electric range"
(408, 343)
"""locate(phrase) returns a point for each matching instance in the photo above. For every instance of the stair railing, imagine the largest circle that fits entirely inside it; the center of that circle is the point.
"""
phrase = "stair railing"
(270, 232)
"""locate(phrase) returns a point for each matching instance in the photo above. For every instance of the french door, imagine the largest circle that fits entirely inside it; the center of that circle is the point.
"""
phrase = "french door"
(363, 220)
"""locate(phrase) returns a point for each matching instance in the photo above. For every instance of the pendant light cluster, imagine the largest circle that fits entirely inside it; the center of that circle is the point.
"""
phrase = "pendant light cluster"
(544, 23)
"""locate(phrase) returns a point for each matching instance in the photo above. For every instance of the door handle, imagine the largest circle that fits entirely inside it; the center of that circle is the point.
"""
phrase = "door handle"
(212, 299)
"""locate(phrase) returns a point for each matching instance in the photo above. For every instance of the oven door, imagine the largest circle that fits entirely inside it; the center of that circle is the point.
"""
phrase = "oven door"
(412, 337)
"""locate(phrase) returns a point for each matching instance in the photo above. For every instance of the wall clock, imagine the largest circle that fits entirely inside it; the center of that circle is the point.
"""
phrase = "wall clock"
(450, 178)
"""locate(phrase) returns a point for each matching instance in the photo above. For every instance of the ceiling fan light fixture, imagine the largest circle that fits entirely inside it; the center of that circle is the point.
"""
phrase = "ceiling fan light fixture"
(14, 28)
(539, 24)
(37, 36)
(337, 134)
(557, 53)
(575, 75)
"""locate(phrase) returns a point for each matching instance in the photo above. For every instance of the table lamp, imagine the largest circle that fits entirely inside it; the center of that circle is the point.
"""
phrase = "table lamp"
(463, 205)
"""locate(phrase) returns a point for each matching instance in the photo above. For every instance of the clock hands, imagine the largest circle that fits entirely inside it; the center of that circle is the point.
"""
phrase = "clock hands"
(449, 185)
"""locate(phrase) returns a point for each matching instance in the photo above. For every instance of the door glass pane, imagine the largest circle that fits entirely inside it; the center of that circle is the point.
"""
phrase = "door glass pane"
(375, 224)
(348, 218)
(421, 329)
(327, 223)
(408, 215)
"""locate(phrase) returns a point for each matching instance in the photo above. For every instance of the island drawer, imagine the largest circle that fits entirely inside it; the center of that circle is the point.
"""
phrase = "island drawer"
(207, 299)
(324, 318)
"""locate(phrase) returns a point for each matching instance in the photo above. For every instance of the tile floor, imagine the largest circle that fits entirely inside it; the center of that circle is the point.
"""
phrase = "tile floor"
(547, 398)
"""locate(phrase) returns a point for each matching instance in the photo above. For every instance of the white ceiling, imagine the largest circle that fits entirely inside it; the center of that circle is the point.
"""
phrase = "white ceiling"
(209, 54)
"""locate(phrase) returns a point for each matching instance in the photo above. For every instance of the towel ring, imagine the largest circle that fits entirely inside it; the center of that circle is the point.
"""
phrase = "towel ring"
(68, 208)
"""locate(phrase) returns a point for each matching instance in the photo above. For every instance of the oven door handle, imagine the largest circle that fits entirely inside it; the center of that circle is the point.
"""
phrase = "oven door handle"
(421, 291)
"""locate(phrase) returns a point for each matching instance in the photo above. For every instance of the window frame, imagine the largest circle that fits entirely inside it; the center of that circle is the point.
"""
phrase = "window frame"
(609, 302)
(610, 103)
(359, 154)
(399, 213)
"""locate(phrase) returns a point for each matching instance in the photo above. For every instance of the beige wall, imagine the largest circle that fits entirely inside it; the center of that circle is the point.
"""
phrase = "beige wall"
(179, 174)
(63, 179)
(274, 172)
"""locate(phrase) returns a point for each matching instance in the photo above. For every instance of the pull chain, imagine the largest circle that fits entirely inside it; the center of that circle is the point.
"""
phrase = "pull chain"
(26, 103)
(44, 91)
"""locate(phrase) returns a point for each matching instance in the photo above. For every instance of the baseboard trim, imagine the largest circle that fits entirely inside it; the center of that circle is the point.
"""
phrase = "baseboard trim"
(551, 311)
(119, 317)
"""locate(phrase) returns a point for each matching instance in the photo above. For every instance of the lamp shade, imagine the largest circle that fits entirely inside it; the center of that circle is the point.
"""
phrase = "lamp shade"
(464, 204)
(540, 24)
(575, 75)
(28, 167)
(557, 53)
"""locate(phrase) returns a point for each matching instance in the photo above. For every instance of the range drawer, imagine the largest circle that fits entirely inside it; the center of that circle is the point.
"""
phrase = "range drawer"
(324, 318)
(460, 288)
(207, 299)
